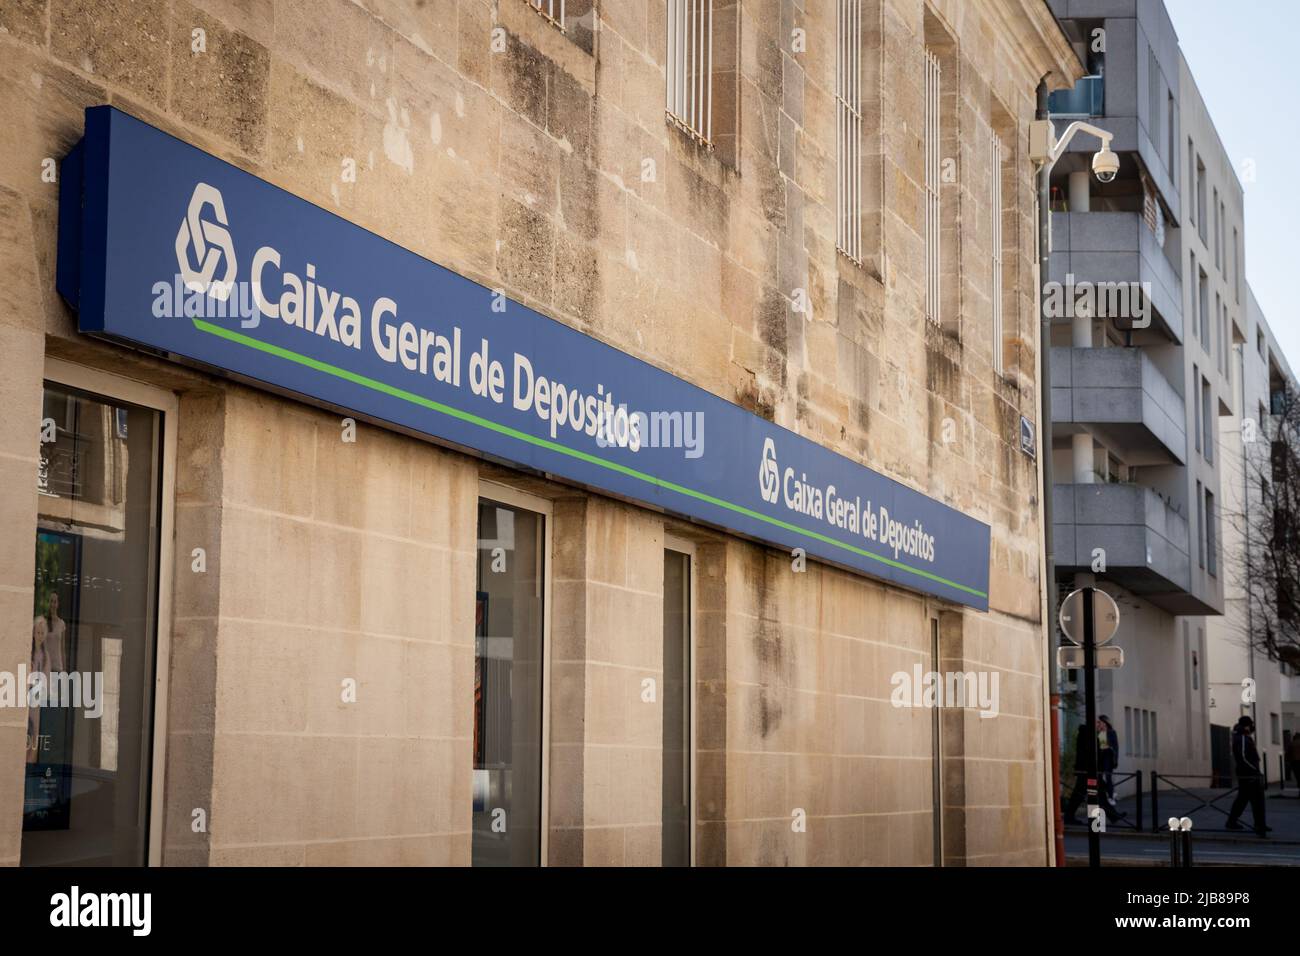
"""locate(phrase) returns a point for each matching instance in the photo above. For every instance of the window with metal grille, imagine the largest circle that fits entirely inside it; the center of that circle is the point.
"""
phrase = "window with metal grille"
(848, 129)
(996, 157)
(689, 95)
(551, 10)
(933, 163)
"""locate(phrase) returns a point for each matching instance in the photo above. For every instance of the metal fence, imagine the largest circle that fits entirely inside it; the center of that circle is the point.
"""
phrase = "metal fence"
(1199, 797)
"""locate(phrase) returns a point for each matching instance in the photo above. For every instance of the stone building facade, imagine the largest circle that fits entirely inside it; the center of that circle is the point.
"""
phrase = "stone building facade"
(281, 562)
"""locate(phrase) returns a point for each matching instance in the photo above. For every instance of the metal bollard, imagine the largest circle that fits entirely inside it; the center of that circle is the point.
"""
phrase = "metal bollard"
(1138, 804)
(1155, 800)
(1180, 842)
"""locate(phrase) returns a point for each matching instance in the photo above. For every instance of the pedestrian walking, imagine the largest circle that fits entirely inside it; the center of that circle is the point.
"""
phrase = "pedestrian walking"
(1108, 756)
(1293, 756)
(1085, 767)
(1250, 777)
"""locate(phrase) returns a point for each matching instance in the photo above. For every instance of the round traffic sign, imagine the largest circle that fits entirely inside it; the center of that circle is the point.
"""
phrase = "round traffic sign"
(1105, 615)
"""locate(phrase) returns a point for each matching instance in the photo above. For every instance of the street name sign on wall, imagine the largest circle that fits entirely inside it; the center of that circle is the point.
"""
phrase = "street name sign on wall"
(169, 249)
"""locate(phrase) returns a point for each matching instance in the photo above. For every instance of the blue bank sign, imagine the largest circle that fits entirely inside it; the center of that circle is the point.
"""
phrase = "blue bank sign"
(169, 249)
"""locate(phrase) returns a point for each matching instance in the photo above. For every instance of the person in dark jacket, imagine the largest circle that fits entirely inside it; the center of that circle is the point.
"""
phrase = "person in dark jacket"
(1108, 754)
(1250, 777)
(1084, 767)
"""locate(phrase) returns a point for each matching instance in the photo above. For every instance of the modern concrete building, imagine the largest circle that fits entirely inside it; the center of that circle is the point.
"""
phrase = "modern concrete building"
(337, 618)
(1139, 382)
(1242, 680)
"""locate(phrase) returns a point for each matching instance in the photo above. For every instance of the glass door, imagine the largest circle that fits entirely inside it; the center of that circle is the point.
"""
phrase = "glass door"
(509, 677)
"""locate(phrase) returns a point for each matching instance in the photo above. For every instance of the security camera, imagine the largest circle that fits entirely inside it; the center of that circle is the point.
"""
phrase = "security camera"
(1105, 165)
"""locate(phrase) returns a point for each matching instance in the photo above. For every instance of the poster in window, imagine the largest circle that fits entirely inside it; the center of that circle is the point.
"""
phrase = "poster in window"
(48, 790)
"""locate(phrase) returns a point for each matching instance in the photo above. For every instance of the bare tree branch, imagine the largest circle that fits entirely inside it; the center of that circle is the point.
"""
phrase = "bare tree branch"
(1268, 568)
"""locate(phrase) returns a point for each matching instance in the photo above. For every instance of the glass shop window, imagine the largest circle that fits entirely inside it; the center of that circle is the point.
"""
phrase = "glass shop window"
(508, 675)
(90, 671)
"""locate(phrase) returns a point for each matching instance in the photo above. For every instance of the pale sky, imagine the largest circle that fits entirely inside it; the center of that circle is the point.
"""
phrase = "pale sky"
(1244, 57)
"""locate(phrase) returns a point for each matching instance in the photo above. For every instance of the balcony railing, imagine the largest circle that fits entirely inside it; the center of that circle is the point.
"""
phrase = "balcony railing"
(1088, 98)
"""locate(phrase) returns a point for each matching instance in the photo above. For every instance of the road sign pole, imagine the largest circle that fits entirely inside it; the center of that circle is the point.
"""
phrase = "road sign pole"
(1090, 707)
(1089, 628)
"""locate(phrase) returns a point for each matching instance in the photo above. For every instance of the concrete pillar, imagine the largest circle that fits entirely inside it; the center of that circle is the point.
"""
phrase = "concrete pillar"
(1083, 459)
(1080, 201)
(1081, 331)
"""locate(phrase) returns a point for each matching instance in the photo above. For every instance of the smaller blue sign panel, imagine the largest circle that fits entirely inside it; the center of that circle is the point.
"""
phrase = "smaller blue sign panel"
(167, 248)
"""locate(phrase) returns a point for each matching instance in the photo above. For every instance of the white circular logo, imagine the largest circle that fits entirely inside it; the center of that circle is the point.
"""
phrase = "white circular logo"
(210, 241)
(769, 481)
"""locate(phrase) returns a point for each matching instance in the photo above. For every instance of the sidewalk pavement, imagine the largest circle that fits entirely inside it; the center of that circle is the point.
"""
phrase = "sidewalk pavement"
(1208, 810)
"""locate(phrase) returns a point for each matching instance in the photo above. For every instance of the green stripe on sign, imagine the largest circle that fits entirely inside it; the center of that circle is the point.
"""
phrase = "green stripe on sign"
(246, 340)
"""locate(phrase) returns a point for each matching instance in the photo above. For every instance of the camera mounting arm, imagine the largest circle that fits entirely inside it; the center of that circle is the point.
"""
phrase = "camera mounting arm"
(1046, 149)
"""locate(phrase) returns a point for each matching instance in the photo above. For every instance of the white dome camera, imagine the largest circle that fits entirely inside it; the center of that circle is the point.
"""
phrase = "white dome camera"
(1105, 165)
